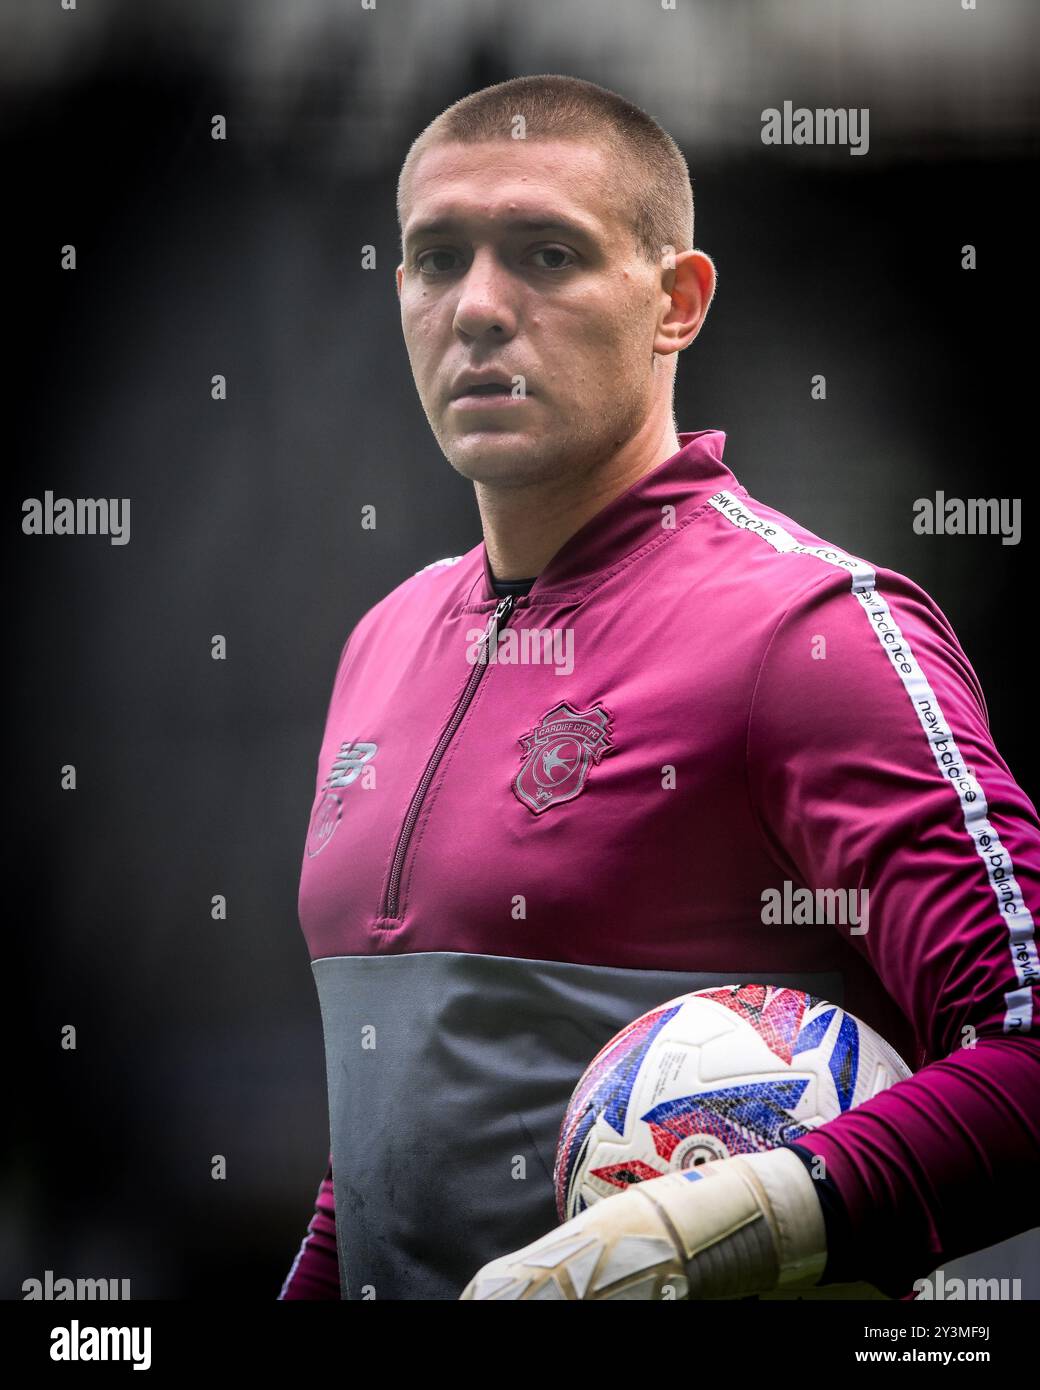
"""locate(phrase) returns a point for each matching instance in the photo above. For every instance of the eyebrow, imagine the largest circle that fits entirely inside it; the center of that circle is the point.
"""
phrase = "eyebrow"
(435, 226)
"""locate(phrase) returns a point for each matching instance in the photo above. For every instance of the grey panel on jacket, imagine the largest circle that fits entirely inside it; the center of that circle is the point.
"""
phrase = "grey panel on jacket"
(449, 1075)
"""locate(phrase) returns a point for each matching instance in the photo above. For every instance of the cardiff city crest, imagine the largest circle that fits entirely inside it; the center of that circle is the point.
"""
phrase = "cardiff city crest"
(558, 754)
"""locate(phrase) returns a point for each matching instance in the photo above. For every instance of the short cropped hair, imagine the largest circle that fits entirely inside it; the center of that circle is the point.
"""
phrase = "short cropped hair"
(651, 174)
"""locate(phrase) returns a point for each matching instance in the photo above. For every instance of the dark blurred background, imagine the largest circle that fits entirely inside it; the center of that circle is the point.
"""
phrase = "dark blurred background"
(243, 257)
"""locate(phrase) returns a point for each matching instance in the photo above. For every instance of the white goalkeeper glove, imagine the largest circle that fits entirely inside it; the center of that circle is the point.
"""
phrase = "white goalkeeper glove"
(726, 1229)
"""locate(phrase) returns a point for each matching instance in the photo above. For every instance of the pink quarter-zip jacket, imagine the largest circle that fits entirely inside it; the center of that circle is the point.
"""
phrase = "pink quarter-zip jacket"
(536, 818)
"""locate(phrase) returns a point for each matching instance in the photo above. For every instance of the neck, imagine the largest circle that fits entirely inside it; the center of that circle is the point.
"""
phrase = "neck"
(525, 527)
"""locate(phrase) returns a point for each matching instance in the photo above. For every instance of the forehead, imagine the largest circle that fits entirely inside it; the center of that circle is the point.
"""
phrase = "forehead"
(499, 182)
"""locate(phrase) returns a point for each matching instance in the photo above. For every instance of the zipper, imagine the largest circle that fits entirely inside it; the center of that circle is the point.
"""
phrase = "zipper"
(497, 621)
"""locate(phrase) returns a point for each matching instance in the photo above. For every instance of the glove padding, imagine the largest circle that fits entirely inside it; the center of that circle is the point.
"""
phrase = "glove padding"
(726, 1229)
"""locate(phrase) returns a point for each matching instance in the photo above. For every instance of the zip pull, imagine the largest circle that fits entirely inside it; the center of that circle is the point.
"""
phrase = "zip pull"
(498, 618)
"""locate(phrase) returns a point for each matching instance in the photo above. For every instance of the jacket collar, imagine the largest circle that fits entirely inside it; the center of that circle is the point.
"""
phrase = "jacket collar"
(631, 522)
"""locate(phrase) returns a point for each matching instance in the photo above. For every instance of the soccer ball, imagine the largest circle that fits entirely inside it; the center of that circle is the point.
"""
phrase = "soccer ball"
(717, 1072)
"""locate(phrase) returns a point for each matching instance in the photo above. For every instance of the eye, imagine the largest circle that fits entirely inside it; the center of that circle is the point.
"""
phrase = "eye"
(424, 257)
(554, 251)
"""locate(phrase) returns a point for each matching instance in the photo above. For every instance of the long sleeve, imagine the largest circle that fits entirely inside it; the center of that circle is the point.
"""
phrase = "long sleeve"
(315, 1270)
(873, 770)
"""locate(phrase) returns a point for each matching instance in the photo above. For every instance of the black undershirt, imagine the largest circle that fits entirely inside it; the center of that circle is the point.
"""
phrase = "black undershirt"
(519, 587)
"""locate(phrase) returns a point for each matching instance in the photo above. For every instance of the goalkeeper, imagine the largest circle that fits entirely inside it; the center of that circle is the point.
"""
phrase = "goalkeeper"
(560, 771)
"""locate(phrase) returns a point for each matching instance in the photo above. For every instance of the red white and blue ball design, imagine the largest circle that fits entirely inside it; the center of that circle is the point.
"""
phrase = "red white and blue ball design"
(718, 1072)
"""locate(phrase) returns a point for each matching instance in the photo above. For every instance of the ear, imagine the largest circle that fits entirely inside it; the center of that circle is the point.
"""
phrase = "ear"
(688, 287)
(399, 277)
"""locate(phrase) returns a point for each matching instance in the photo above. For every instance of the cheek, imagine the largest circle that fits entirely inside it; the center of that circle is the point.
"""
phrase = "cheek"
(420, 325)
(613, 341)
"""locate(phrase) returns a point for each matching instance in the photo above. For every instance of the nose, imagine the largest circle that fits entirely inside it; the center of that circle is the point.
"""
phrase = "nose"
(485, 305)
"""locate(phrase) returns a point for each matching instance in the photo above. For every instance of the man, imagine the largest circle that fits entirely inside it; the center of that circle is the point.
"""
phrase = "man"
(517, 846)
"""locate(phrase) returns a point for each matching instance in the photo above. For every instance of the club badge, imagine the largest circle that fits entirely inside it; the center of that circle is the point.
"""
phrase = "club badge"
(558, 754)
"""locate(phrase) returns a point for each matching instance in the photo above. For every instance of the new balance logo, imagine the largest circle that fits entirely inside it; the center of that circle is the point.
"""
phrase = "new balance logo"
(347, 766)
(349, 761)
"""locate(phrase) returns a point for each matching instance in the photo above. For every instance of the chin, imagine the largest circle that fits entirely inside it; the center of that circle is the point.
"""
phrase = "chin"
(499, 456)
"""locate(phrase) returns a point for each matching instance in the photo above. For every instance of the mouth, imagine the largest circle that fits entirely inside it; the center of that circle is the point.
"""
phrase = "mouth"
(487, 395)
